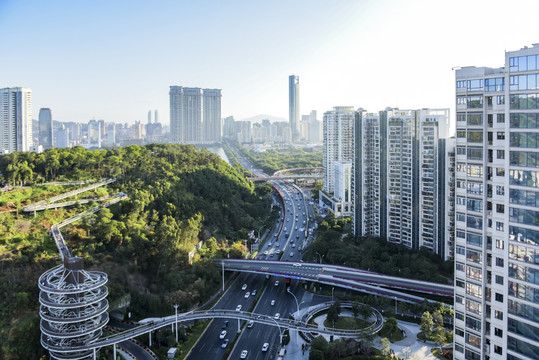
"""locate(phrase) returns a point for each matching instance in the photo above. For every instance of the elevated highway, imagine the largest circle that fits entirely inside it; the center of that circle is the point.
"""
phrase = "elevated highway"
(207, 314)
(341, 276)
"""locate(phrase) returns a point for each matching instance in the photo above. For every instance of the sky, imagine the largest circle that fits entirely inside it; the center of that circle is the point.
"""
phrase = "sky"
(115, 60)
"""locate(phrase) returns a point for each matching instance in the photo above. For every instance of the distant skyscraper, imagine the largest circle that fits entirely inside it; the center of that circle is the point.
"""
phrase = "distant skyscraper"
(45, 128)
(497, 210)
(293, 106)
(149, 117)
(62, 137)
(94, 134)
(15, 119)
(156, 117)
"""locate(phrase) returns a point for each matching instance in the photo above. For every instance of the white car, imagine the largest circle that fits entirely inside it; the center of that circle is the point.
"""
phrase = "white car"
(277, 316)
(293, 245)
(247, 294)
(272, 302)
(291, 254)
(225, 343)
(266, 252)
(243, 354)
(244, 287)
(277, 244)
(238, 308)
(277, 283)
(265, 347)
(253, 293)
(223, 334)
(297, 264)
(250, 324)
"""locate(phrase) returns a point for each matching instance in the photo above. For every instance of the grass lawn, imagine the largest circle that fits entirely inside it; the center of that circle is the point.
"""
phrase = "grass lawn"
(195, 334)
(347, 323)
(392, 334)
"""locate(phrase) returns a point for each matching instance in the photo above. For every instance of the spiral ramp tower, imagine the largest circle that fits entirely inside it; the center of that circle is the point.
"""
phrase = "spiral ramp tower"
(73, 308)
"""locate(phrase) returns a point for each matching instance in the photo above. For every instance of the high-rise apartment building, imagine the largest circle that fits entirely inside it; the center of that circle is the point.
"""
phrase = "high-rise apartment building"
(45, 128)
(366, 179)
(212, 115)
(497, 209)
(338, 147)
(293, 106)
(413, 164)
(195, 115)
(15, 119)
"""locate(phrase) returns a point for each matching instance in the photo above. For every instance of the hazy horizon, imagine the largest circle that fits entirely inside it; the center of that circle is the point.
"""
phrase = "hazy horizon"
(116, 60)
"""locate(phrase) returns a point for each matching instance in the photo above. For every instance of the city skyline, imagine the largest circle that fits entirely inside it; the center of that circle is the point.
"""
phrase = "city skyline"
(138, 64)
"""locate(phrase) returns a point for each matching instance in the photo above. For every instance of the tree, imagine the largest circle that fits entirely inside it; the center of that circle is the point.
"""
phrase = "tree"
(385, 346)
(320, 343)
(316, 355)
(365, 311)
(439, 336)
(426, 324)
(355, 309)
(438, 318)
(333, 313)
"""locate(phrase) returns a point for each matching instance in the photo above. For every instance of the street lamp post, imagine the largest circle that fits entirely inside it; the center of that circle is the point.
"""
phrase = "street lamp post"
(332, 293)
(395, 306)
(297, 304)
(176, 318)
(321, 257)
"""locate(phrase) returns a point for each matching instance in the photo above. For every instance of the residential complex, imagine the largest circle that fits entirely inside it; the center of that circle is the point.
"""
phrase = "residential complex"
(497, 215)
(15, 119)
(195, 115)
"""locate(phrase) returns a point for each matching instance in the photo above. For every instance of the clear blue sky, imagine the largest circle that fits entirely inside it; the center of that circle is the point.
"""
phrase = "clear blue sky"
(115, 60)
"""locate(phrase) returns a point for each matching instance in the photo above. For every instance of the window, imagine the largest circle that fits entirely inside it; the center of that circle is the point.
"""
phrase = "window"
(499, 297)
(461, 83)
(500, 172)
(523, 216)
(498, 349)
(461, 100)
(500, 208)
(461, 133)
(461, 150)
(500, 190)
(475, 188)
(475, 136)
(461, 117)
(475, 102)
(459, 315)
(475, 170)
(500, 135)
(499, 243)
(499, 262)
(473, 256)
(459, 332)
(475, 119)
(500, 100)
(474, 153)
(500, 154)
(497, 84)
(459, 266)
(499, 280)
(524, 158)
(524, 140)
(500, 118)
(459, 299)
(523, 101)
(498, 332)
(460, 250)
(475, 85)
(498, 314)
(524, 121)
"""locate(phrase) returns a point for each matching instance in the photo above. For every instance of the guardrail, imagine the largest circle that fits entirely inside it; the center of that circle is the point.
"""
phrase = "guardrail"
(370, 330)
(199, 315)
